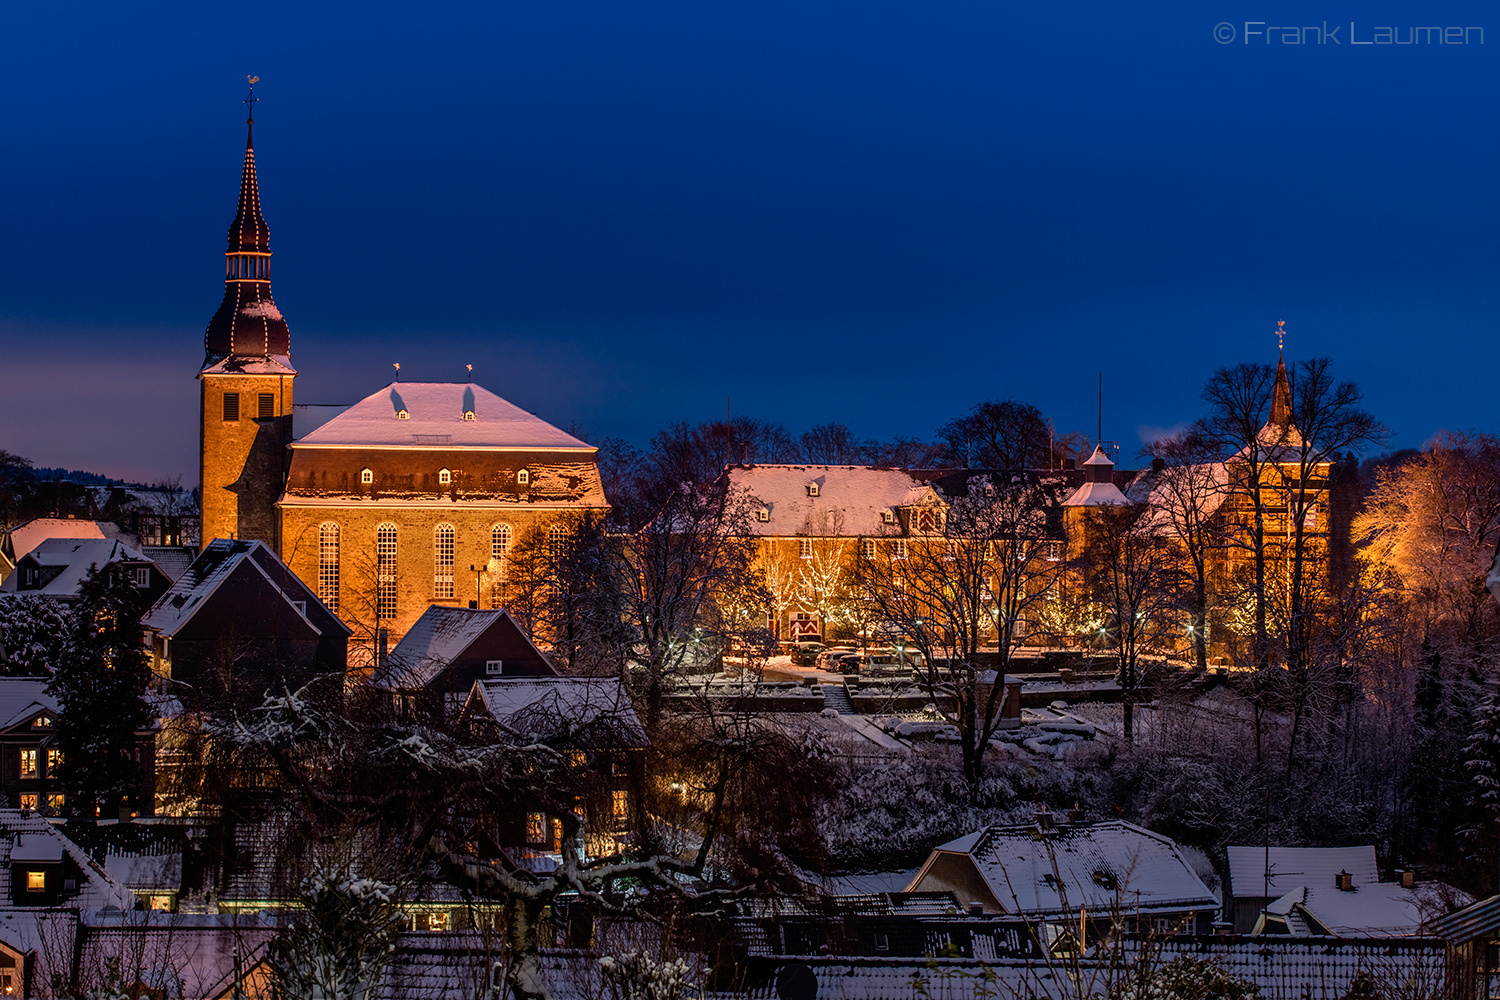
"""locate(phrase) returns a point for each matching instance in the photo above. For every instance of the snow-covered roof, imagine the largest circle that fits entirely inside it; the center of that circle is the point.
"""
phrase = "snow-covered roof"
(24, 537)
(850, 500)
(584, 712)
(71, 560)
(1097, 865)
(437, 638)
(1093, 494)
(146, 872)
(237, 364)
(435, 419)
(1294, 867)
(31, 838)
(24, 698)
(215, 564)
(1380, 909)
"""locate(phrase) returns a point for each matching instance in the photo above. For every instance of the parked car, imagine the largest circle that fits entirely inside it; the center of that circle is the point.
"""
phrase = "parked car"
(805, 654)
(843, 663)
(826, 657)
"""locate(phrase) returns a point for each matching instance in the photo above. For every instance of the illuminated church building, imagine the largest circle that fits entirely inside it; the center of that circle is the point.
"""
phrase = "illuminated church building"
(413, 496)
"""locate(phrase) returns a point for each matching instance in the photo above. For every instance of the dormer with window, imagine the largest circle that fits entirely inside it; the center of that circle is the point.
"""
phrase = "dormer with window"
(523, 478)
(888, 516)
(763, 515)
(813, 489)
(444, 477)
(468, 414)
(403, 414)
(367, 476)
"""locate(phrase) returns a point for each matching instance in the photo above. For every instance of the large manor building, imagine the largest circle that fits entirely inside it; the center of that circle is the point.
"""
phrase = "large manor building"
(411, 497)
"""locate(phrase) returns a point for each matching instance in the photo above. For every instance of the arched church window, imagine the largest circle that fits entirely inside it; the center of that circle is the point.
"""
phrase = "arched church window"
(556, 536)
(442, 562)
(500, 536)
(328, 565)
(385, 571)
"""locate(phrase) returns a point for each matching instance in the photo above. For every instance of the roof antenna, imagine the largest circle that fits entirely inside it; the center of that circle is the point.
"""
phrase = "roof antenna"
(471, 372)
(397, 365)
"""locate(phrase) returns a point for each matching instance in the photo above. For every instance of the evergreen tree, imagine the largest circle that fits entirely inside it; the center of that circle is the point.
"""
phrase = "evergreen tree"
(100, 683)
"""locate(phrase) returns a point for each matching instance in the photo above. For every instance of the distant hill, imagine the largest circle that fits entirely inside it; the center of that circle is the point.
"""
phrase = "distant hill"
(50, 475)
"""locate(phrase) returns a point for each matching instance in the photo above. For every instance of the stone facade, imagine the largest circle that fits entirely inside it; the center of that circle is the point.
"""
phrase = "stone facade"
(241, 461)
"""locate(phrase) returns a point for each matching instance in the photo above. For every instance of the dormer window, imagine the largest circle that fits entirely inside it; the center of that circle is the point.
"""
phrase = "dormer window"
(445, 477)
(888, 517)
(468, 414)
(403, 415)
(763, 515)
(366, 476)
(523, 477)
(812, 489)
(40, 722)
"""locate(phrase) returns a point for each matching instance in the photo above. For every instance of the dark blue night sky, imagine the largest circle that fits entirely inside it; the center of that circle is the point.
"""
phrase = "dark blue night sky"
(623, 212)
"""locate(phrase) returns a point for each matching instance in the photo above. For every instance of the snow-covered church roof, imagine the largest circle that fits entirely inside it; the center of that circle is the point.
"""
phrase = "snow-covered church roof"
(444, 415)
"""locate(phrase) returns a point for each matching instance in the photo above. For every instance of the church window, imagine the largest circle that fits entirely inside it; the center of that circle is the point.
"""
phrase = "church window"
(523, 477)
(385, 571)
(499, 541)
(328, 565)
(367, 476)
(442, 560)
(445, 477)
(267, 404)
(804, 548)
(555, 539)
(231, 406)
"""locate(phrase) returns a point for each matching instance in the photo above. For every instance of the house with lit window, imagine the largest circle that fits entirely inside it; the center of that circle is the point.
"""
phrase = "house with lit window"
(237, 623)
(589, 718)
(434, 667)
(57, 567)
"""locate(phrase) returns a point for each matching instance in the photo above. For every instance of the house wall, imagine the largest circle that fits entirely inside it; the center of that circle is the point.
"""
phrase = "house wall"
(956, 873)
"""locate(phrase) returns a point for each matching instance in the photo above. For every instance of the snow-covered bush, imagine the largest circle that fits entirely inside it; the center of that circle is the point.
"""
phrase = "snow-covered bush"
(33, 631)
(635, 975)
(339, 942)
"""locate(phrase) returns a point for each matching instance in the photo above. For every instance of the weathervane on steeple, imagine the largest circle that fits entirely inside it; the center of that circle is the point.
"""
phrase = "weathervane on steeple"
(1280, 335)
(250, 100)
(471, 372)
(397, 365)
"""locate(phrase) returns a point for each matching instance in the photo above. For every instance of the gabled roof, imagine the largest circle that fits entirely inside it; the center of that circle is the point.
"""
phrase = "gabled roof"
(435, 419)
(70, 560)
(1293, 867)
(436, 640)
(1100, 866)
(851, 500)
(28, 837)
(591, 713)
(29, 534)
(24, 698)
(215, 564)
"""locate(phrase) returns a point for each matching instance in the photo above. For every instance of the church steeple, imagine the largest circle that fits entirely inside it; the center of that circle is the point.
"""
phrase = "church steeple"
(1280, 428)
(248, 333)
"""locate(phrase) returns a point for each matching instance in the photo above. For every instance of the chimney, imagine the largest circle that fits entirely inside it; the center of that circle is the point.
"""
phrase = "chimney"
(1158, 464)
(976, 908)
(1075, 815)
(1044, 821)
(1408, 878)
(1069, 464)
(1344, 882)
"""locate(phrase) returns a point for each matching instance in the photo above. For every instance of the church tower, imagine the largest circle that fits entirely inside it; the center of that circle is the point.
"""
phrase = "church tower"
(246, 400)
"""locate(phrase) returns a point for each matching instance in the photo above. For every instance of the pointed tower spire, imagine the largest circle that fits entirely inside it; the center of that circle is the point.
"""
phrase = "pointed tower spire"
(1280, 428)
(248, 327)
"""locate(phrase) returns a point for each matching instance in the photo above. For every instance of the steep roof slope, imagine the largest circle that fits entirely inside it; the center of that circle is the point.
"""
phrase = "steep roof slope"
(435, 419)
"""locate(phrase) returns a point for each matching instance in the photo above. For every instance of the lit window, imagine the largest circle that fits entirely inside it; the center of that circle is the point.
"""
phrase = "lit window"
(499, 541)
(763, 515)
(536, 828)
(804, 548)
(867, 548)
(328, 565)
(442, 559)
(231, 406)
(385, 571)
(888, 516)
(55, 802)
(437, 923)
(54, 758)
(36, 881)
(366, 476)
(812, 489)
(523, 477)
(28, 763)
(445, 477)
(402, 415)
(28, 801)
(494, 667)
(621, 804)
(266, 408)
(162, 904)
(898, 549)
(41, 722)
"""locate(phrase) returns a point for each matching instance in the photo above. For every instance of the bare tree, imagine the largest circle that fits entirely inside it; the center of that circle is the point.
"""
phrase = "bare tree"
(1186, 493)
(975, 582)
